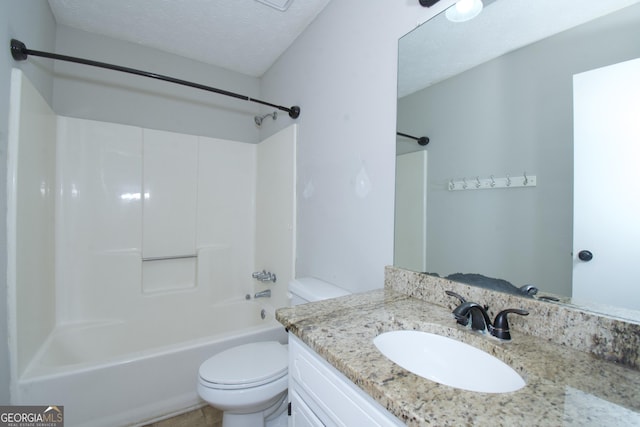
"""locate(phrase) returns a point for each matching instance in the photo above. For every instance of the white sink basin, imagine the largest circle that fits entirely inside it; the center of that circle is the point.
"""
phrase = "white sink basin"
(449, 362)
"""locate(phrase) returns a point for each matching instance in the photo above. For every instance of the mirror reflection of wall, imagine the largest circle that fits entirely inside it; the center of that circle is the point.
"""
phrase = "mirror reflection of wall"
(511, 115)
(411, 211)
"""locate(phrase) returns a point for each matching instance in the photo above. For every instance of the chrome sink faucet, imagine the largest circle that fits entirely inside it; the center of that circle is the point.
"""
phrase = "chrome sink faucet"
(476, 315)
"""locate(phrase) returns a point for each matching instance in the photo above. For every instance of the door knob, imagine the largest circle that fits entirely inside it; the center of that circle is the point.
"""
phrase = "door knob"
(585, 255)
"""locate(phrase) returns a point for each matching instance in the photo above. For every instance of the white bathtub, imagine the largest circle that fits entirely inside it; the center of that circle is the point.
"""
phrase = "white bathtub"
(126, 373)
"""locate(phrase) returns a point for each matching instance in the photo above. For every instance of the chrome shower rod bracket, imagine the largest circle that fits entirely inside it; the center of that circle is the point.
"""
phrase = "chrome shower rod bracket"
(20, 52)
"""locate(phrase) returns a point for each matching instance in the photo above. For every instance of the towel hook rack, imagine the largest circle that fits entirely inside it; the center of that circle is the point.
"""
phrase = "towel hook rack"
(492, 182)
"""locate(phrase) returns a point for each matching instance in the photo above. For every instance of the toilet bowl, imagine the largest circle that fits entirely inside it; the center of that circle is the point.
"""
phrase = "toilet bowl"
(249, 382)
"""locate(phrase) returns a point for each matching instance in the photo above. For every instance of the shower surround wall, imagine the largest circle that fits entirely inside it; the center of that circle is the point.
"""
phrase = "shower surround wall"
(128, 195)
(97, 205)
(30, 230)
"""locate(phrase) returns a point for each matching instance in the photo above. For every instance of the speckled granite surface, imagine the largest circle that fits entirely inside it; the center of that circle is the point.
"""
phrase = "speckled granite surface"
(565, 386)
(606, 337)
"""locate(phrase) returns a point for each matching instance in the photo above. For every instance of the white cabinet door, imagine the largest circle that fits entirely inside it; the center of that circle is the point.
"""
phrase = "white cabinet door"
(328, 395)
(301, 414)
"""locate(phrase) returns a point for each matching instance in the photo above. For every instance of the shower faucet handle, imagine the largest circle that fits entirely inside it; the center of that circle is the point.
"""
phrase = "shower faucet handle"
(264, 276)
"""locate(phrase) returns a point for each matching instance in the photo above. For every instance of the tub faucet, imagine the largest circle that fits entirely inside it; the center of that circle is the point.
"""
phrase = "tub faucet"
(263, 294)
(473, 312)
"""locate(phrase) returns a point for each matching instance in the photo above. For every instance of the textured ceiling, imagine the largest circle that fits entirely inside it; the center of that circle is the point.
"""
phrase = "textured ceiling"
(240, 35)
(248, 37)
(440, 49)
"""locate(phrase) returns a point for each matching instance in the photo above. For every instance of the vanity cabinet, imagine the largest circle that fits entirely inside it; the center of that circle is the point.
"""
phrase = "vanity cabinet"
(322, 396)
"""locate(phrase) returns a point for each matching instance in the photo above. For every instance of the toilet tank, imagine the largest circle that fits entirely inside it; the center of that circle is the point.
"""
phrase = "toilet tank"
(310, 289)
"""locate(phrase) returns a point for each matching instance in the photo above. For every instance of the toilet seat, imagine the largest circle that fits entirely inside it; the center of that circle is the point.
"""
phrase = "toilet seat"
(245, 366)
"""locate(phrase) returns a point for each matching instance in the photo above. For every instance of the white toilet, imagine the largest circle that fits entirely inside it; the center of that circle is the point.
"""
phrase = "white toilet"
(249, 382)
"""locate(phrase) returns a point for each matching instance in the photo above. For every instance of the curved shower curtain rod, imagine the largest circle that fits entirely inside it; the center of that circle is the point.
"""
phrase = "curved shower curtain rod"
(20, 52)
(423, 140)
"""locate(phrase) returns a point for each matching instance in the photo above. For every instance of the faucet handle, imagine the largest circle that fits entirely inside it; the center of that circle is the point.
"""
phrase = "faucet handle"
(462, 319)
(529, 289)
(453, 294)
(500, 327)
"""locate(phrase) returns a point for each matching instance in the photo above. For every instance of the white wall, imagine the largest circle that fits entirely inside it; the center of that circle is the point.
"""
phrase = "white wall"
(93, 93)
(33, 23)
(342, 72)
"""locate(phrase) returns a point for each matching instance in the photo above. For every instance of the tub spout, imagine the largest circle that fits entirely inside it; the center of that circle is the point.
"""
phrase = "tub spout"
(263, 294)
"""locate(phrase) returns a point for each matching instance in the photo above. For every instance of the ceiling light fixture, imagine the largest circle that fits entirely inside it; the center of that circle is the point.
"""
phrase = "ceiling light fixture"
(464, 10)
(281, 5)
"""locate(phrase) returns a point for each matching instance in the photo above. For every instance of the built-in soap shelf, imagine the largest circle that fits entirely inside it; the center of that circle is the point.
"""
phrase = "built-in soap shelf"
(168, 257)
(492, 182)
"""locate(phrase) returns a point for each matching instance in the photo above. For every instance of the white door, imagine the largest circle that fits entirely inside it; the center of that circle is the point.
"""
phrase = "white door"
(410, 246)
(607, 185)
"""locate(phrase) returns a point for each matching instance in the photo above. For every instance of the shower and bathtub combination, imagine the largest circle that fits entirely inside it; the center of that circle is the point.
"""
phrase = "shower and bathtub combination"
(130, 255)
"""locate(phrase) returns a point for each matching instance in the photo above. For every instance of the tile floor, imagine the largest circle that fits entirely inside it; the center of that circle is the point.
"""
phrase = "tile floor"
(205, 416)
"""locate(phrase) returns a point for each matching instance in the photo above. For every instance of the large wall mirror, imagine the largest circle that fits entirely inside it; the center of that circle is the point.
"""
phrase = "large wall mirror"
(492, 194)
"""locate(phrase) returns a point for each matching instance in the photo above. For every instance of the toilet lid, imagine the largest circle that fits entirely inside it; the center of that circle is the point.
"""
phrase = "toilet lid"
(246, 365)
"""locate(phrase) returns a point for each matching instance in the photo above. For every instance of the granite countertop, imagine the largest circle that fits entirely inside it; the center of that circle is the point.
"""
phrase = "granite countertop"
(564, 386)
